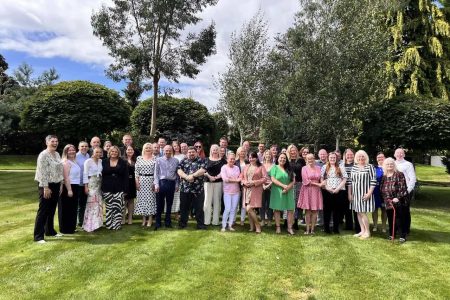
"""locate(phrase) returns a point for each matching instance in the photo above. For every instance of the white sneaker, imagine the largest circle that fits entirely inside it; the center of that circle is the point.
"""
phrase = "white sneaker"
(41, 242)
(58, 235)
(223, 230)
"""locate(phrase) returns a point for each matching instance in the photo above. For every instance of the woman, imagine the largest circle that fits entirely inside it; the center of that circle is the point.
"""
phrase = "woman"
(265, 212)
(106, 146)
(334, 178)
(176, 196)
(303, 152)
(296, 163)
(395, 195)
(253, 177)
(241, 162)
(379, 203)
(230, 175)
(199, 148)
(92, 180)
(144, 174)
(213, 186)
(68, 203)
(114, 187)
(360, 193)
(223, 152)
(282, 193)
(349, 215)
(310, 195)
(131, 194)
(49, 175)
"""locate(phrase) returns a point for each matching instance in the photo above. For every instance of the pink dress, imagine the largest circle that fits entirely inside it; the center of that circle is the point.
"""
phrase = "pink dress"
(310, 195)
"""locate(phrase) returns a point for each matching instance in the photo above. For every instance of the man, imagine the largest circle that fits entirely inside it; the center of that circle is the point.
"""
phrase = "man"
(184, 149)
(191, 171)
(261, 149)
(223, 143)
(81, 156)
(95, 142)
(166, 183)
(246, 146)
(323, 157)
(407, 169)
(162, 143)
(127, 140)
(155, 148)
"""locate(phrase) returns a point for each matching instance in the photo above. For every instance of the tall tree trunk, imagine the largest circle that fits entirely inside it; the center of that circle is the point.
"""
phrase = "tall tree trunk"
(241, 135)
(337, 142)
(154, 103)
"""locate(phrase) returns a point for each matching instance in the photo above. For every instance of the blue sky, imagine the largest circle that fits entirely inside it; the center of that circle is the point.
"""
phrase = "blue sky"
(49, 33)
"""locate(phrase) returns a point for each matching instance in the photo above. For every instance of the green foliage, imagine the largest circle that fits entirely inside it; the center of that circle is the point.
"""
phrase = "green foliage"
(75, 110)
(144, 38)
(408, 121)
(182, 119)
(221, 126)
(420, 60)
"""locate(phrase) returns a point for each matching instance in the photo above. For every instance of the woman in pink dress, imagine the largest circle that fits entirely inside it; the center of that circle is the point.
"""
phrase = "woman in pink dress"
(310, 194)
(253, 177)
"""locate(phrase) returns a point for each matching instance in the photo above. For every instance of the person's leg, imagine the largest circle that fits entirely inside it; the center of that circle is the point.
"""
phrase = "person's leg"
(41, 216)
(290, 221)
(227, 210)
(358, 215)
(277, 215)
(207, 207)
(130, 208)
(234, 204)
(160, 200)
(114, 211)
(375, 219)
(327, 211)
(308, 220)
(184, 209)
(199, 200)
(170, 192)
(356, 221)
(390, 217)
(402, 221)
(336, 211)
(383, 219)
(314, 214)
(82, 199)
(62, 211)
(53, 202)
(217, 197)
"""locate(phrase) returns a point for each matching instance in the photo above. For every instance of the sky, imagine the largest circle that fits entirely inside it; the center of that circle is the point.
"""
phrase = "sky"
(57, 33)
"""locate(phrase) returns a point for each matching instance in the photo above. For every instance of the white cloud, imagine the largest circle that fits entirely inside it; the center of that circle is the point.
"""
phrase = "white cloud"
(70, 33)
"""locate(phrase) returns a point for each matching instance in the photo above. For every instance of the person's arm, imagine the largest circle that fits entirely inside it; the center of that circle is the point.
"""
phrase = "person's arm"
(126, 177)
(67, 182)
(157, 175)
(86, 176)
(373, 183)
(305, 179)
(261, 181)
(411, 175)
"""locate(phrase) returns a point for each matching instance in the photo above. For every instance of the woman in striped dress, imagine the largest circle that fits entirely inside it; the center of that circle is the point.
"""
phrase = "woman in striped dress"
(360, 194)
(114, 187)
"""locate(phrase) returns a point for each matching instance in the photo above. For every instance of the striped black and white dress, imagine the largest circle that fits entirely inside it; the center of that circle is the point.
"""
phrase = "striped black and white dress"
(361, 179)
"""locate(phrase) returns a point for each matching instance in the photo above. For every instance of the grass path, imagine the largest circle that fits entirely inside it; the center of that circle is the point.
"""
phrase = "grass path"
(134, 263)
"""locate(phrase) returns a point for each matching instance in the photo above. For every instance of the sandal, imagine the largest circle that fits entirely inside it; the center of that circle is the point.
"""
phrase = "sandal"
(278, 229)
(290, 231)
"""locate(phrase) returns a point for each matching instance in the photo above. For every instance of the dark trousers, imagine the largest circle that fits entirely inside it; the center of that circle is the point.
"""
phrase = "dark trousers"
(265, 207)
(46, 212)
(196, 200)
(408, 212)
(331, 206)
(355, 220)
(401, 220)
(165, 196)
(346, 212)
(67, 210)
(82, 199)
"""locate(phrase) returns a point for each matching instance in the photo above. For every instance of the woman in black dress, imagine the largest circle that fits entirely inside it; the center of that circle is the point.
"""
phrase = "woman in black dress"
(114, 186)
(130, 158)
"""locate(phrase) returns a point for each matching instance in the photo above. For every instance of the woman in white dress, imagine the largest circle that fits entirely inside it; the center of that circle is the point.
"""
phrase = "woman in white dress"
(92, 180)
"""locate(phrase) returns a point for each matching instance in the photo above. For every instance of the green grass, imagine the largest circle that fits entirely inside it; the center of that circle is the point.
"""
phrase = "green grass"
(134, 263)
(18, 162)
(432, 174)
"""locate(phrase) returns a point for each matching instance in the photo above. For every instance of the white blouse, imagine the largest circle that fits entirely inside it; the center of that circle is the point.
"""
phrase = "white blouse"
(49, 168)
(92, 169)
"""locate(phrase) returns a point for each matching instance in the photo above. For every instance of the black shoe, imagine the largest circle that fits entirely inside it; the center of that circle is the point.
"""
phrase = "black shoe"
(295, 226)
(202, 227)
(285, 224)
(156, 228)
(389, 238)
(169, 226)
(327, 231)
(180, 226)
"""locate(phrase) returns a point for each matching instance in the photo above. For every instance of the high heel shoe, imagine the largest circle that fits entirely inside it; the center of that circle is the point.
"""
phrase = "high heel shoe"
(290, 231)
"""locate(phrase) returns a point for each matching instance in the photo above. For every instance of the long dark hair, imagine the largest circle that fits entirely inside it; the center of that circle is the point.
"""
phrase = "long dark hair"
(287, 167)
(253, 154)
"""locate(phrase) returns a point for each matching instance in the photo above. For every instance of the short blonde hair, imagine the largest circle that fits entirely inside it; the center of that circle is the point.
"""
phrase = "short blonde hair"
(145, 145)
(363, 153)
(389, 160)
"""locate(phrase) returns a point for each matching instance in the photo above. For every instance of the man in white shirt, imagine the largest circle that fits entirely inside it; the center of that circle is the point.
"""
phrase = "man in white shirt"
(407, 169)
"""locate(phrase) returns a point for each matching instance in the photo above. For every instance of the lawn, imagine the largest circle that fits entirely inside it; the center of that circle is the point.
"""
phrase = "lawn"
(18, 162)
(432, 174)
(135, 263)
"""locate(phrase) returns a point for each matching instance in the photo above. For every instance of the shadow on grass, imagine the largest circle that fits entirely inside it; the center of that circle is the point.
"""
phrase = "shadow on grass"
(429, 236)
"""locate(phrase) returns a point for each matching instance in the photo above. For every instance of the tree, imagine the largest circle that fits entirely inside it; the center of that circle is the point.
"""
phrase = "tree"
(6, 82)
(144, 36)
(182, 119)
(242, 84)
(329, 68)
(419, 64)
(75, 110)
(409, 121)
(221, 126)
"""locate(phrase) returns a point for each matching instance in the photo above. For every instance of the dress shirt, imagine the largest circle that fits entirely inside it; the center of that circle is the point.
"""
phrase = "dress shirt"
(80, 158)
(407, 169)
(92, 169)
(261, 157)
(49, 168)
(166, 168)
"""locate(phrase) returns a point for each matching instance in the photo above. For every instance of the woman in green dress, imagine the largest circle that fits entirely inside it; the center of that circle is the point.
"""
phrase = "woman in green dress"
(282, 194)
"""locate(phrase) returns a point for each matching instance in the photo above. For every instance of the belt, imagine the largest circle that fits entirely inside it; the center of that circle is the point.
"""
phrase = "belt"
(146, 174)
(99, 175)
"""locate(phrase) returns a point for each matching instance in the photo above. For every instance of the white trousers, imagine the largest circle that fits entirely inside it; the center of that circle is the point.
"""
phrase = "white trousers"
(213, 197)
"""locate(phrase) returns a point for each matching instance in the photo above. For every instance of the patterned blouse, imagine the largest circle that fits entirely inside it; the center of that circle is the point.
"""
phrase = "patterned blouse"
(190, 167)
(331, 177)
(49, 168)
(394, 187)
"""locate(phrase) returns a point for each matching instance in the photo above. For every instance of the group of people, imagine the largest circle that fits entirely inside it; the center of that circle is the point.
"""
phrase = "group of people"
(180, 180)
